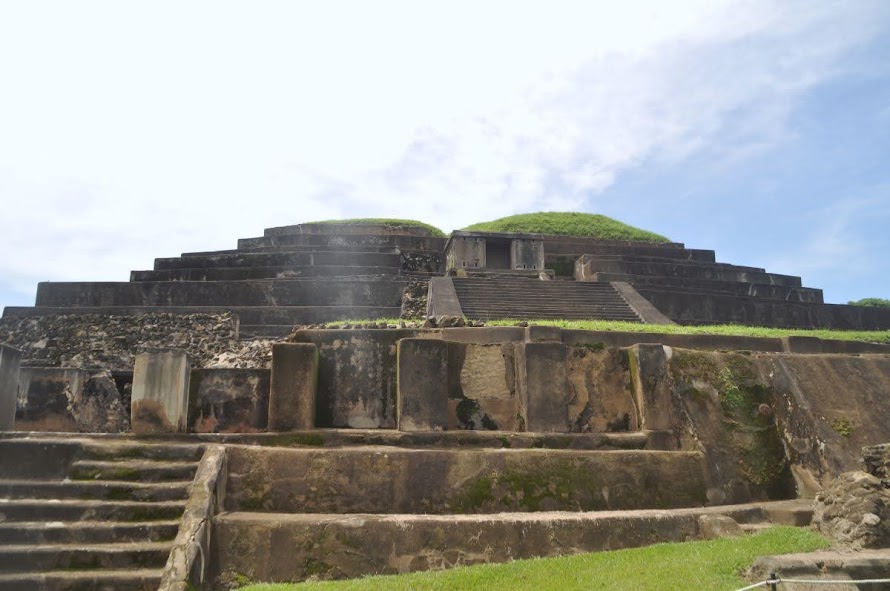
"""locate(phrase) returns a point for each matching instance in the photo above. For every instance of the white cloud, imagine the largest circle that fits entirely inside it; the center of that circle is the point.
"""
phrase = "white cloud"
(133, 131)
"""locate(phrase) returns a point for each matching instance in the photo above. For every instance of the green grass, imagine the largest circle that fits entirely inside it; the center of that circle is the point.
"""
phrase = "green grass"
(871, 303)
(867, 336)
(388, 222)
(712, 565)
(569, 224)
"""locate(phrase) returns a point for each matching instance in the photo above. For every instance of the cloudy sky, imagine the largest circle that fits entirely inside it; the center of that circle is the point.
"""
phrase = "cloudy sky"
(135, 130)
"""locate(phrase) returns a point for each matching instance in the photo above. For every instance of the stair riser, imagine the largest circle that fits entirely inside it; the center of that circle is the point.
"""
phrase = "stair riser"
(281, 259)
(138, 451)
(79, 533)
(386, 292)
(241, 274)
(123, 472)
(39, 559)
(253, 315)
(82, 582)
(23, 511)
(91, 491)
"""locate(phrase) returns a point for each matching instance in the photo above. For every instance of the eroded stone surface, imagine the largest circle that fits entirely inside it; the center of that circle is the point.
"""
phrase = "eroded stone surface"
(854, 510)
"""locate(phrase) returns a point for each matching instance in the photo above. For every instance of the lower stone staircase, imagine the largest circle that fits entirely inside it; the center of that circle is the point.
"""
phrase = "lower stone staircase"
(90, 516)
(512, 297)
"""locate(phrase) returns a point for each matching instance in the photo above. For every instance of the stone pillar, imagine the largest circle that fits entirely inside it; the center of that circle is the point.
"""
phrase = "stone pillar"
(543, 386)
(651, 385)
(160, 398)
(9, 385)
(293, 387)
(423, 385)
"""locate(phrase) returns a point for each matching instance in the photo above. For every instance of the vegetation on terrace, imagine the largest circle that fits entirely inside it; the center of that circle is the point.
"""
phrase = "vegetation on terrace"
(867, 336)
(569, 224)
(388, 222)
(872, 303)
(712, 565)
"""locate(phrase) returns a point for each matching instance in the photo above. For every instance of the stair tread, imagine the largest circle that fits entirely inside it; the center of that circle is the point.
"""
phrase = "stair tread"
(105, 547)
(85, 574)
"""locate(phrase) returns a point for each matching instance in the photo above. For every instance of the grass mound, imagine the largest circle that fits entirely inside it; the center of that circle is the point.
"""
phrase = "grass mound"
(713, 565)
(568, 223)
(389, 223)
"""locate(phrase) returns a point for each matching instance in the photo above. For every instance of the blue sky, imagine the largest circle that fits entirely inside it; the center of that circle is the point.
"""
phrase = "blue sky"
(133, 131)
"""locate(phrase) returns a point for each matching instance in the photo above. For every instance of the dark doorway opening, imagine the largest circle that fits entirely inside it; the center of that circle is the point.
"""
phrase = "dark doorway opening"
(497, 253)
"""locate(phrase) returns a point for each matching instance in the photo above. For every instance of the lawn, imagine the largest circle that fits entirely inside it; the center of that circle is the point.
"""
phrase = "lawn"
(568, 224)
(388, 222)
(868, 336)
(704, 565)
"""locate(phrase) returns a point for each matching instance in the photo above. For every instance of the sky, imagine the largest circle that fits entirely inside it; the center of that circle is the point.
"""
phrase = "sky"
(136, 130)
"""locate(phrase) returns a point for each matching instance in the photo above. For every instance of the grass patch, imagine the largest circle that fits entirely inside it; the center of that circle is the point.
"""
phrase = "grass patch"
(714, 565)
(868, 336)
(389, 223)
(568, 223)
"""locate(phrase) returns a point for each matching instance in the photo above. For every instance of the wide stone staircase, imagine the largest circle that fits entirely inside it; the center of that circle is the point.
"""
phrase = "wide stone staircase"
(82, 515)
(392, 504)
(513, 297)
(304, 274)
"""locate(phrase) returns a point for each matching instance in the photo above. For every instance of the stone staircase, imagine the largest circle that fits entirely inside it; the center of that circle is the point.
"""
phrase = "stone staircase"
(84, 516)
(509, 297)
(395, 506)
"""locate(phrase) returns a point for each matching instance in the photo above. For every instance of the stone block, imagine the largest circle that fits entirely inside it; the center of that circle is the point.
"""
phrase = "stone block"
(422, 385)
(357, 379)
(482, 392)
(712, 527)
(9, 385)
(44, 395)
(160, 391)
(527, 253)
(224, 400)
(293, 387)
(465, 252)
(543, 387)
(537, 334)
(601, 398)
(652, 386)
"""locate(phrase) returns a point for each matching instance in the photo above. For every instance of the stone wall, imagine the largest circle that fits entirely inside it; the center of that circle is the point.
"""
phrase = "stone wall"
(111, 342)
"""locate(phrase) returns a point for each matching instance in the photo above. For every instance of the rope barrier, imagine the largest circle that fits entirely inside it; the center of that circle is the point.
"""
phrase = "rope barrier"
(776, 580)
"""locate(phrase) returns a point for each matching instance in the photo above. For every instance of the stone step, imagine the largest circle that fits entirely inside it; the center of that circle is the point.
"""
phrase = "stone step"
(296, 248)
(637, 258)
(572, 251)
(351, 546)
(78, 510)
(48, 557)
(264, 331)
(251, 315)
(403, 242)
(247, 273)
(86, 532)
(688, 270)
(759, 290)
(133, 470)
(398, 480)
(95, 489)
(260, 292)
(88, 580)
(539, 315)
(115, 450)
(281, 259)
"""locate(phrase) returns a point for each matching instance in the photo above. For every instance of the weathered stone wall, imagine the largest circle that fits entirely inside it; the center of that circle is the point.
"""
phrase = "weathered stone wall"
(393, 480)
(112, 342)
